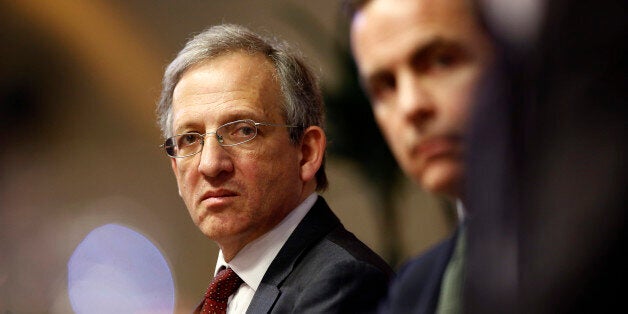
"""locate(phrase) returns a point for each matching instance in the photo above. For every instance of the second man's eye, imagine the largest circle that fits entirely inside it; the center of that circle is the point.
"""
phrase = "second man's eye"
(446, 57)
(382, 86)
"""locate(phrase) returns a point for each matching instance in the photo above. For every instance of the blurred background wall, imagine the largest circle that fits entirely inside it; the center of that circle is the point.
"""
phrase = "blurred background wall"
(78, 85)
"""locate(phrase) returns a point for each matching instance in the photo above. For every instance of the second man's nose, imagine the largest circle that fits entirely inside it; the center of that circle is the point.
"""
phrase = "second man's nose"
(414, 101)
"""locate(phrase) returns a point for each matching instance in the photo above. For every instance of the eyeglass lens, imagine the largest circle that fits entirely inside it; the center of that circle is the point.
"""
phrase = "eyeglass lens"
(229, 134)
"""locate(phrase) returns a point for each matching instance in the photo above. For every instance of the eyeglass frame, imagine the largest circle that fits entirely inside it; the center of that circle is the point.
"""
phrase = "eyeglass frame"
(217, 137)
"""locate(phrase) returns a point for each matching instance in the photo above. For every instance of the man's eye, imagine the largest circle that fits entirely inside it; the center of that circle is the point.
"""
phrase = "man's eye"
(439, 57)
(188, 139)
(382, 86)
(448, 57)
(445, 59)
(244, 131)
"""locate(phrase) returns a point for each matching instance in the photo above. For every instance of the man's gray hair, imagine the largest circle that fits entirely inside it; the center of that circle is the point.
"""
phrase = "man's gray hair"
(303, 102)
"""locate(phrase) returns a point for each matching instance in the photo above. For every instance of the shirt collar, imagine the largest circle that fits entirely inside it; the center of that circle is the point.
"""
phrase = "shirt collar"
(253, 260)
(460, 210)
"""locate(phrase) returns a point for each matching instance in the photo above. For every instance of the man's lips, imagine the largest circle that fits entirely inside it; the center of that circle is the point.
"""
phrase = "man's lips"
(216, 197)
(438, 145)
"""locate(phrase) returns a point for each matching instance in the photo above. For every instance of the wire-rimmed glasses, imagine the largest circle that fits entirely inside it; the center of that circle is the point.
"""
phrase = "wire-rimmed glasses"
(228, 134)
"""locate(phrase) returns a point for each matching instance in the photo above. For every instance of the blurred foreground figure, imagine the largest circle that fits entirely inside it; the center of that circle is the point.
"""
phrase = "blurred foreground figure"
(547, 161)
(419, 62)
(243, 121)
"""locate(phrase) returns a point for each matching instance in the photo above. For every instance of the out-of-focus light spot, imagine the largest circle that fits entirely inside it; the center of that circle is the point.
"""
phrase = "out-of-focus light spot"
(516, 21)
(117, 270)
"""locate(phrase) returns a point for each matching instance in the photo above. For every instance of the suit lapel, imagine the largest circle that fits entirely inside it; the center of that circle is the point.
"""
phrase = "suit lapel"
(264, 298)
(318, 222)
(429, 300)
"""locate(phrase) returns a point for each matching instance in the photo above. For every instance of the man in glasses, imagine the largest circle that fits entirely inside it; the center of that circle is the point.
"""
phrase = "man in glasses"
(419, 62)
(243, 120)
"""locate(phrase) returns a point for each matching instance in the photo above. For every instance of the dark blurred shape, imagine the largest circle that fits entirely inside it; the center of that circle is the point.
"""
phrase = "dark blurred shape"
(117, 270)
(547, 167)
(19, 105)
(27, 79)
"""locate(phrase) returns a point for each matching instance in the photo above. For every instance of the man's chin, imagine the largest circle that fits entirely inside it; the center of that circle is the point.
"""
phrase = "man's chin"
(443, 178)
(216, 229)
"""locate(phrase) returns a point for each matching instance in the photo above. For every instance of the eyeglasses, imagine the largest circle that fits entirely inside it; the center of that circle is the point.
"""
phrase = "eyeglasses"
(228, 134)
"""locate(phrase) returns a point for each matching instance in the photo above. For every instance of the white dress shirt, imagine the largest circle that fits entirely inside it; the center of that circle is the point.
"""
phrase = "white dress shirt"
(460, 211)
(252, 262)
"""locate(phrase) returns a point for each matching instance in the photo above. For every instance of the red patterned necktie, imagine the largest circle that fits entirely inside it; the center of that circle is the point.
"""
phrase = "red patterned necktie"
(222, 286)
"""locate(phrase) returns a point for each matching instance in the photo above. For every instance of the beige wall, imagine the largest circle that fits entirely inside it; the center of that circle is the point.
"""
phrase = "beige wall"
(90, 71)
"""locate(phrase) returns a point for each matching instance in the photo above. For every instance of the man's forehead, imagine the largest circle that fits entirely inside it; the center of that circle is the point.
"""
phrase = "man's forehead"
(387, 13)
(255, 65)
(235, 83)
(380, 32)
(384, 23)
(228, 73)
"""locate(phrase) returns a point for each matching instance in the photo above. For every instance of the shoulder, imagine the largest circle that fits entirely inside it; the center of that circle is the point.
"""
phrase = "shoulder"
(321, 239)
(341, 247)
(334, 273)
(417, 285)
(422, 265)
(337, 275)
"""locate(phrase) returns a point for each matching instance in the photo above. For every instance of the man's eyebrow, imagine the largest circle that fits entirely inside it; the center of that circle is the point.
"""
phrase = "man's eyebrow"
(226, 118)
(185, 127)
(426, 49)
(432, 43)
(239, 115)
(377, 75)
(419, 52)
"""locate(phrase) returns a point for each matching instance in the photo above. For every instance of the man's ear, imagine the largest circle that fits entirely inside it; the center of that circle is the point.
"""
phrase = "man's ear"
(313, 145)
(173, 164)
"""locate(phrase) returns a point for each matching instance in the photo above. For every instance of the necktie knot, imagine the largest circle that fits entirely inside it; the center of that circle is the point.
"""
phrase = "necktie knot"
(221, 287)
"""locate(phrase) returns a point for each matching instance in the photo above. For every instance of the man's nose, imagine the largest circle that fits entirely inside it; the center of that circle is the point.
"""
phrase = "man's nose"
(214, 158)
(414, 99)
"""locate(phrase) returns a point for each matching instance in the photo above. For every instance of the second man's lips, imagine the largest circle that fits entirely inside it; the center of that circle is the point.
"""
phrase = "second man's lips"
(438, 145)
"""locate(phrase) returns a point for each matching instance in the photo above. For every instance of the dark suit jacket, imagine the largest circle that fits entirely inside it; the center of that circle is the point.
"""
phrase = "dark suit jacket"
(322, 268)
(416, 288)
